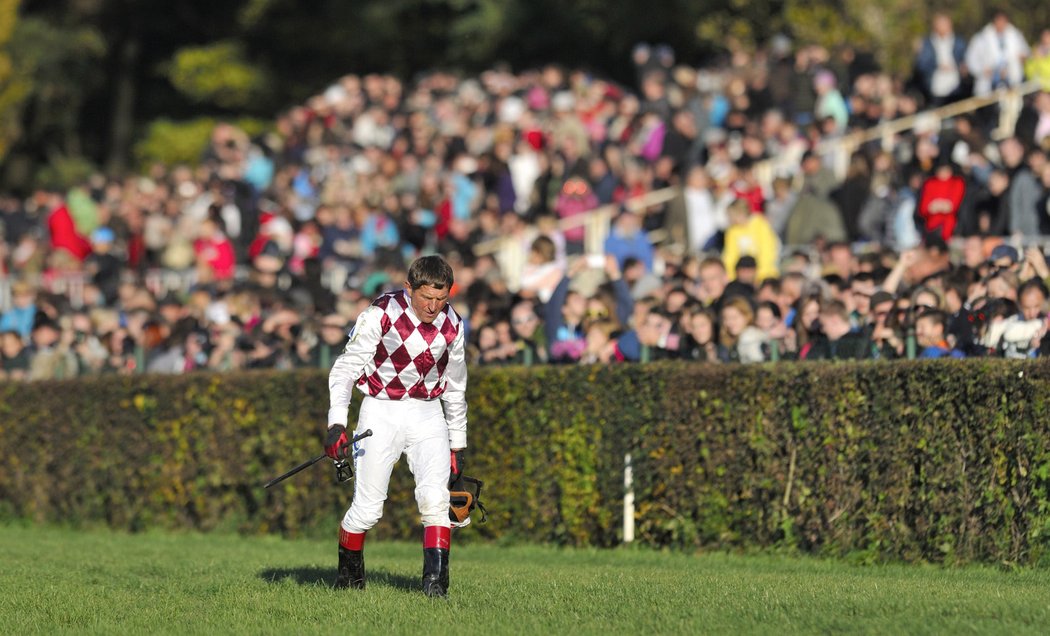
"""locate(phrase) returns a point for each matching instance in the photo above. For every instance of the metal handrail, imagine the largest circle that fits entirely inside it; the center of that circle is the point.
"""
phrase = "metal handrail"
(1010, 101)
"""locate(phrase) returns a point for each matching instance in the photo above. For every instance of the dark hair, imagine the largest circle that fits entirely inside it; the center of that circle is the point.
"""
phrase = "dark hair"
(1033, 283)
(430, 271)
(937, 316)
(773, 307)
(834, 307)
(772, 282)
(862, 277)
(836, 281)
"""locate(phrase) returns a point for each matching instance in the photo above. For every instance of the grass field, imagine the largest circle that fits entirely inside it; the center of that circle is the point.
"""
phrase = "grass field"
(63, 581)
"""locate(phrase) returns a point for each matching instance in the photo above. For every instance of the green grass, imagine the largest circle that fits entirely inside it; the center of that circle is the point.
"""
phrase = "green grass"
(65, 581)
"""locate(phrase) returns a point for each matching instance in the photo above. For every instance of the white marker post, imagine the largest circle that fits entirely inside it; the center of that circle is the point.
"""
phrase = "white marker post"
(628, 500)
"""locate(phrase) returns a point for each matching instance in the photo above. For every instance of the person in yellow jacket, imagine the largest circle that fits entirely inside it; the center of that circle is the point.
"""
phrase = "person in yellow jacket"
(1037, 67)
(750, 234)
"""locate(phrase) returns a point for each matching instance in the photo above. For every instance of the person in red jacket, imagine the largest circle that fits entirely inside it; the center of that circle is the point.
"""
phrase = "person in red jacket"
(214, 251)
(64, 234)
(940, 196)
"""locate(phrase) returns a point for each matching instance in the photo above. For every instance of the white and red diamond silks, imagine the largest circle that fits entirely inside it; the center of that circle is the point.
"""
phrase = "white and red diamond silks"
(391, 355)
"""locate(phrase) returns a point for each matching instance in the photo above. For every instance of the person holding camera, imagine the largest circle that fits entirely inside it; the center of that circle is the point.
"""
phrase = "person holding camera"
(1023, 333)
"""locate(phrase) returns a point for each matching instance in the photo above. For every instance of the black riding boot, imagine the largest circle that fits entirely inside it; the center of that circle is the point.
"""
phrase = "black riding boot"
(351, 569)
(435, 571)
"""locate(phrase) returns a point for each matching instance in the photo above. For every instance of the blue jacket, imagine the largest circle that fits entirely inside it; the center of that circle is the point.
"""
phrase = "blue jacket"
(940, 352)
(19, 319)
(637, 245)
(926, 63)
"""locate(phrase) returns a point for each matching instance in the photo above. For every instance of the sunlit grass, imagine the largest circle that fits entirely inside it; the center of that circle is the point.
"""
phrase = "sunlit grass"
(67, 581)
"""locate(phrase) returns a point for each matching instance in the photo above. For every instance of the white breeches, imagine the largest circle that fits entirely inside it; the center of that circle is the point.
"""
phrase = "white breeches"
(415, 428)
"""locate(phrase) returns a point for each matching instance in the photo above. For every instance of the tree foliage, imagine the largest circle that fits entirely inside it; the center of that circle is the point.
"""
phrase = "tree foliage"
(14, 86)
(217, 74)
(77, 75)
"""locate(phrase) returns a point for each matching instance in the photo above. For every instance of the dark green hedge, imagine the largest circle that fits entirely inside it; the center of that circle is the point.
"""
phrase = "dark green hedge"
(923, 461)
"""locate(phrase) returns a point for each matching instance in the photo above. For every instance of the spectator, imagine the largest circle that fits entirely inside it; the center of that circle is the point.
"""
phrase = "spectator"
(86, 346)
(745, 278)
(779, 205)
(850, 196)
(996, 55)
(749, 234)
(744, 342)
(600, 342)
(940, 198)
(214, 252)
(829, 102)
(814, 218)
(542, 270)
(102, 264)
(575, 198)
(1023, 332)
(701, 343)
(491, 348)
(50, 358)
(529, 334)
(15, 356)
(1037, 67)
(941, 62)
(628, 240)
(64, 233)
(329, 341)
(804, 325)
(930, 329)
(861, 289)
(20, 317)
(702, 220)
(713, 282)
(986, 210)
(838, 340)
(563, 319)
(1024, 190)
(885, 343)
(229, 347)
(657, 337)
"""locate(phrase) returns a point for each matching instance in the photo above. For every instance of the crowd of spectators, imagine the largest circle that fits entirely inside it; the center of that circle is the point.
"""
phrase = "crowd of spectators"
(263, 255)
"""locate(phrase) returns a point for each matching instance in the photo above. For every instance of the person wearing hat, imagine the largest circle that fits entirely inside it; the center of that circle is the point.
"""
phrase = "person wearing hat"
(747, 270)
(830, 104)
(1004, 257)
(102, 264)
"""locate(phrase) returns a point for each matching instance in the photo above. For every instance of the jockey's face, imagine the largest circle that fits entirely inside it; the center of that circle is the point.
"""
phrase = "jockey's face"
(427, 302)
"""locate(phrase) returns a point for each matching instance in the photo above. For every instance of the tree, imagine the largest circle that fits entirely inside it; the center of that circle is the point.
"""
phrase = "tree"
(14, 85)
(217, 74)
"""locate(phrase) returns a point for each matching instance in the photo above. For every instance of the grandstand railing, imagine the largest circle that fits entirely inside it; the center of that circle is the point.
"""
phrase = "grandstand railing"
(1009, 100)
(596, 222)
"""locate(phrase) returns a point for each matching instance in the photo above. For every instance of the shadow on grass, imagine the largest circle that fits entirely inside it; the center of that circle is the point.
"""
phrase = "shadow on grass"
(326, 576)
